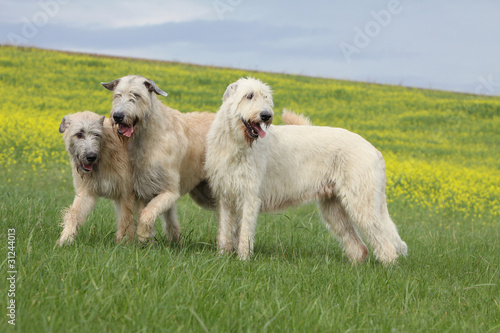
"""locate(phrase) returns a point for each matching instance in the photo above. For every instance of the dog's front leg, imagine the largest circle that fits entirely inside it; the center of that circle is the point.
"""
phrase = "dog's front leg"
(125, 218)
(248, 224)
(76, 215)
(226, 227)
(160, 204)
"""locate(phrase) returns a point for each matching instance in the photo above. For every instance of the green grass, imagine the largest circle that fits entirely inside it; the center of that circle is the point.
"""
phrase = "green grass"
(298, 280)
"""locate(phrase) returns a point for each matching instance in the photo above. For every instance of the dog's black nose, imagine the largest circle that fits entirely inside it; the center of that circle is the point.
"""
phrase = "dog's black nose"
(265, 115)
(91, 157)
(118, 117)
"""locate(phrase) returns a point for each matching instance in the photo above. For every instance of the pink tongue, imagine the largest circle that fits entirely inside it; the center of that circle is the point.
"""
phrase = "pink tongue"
(259, 130)
(88, 167)
(127, 130)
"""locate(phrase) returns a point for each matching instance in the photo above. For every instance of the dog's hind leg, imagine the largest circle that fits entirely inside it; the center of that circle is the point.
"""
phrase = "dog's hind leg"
(365, 212)
(75, 216)
(203, 196)
(170, 225)
(341, 227)
(400, 245)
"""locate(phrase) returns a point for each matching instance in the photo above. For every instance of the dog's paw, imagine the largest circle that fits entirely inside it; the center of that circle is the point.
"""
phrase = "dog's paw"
(144, 238)
(244, 254)
(65, 239)
(403, 249)
(123, 238)
(243, 257)
(144, 232)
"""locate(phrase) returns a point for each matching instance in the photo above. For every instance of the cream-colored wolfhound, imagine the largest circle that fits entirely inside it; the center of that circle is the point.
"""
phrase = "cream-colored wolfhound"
(101, 168)
(167, 152)
(255, 166)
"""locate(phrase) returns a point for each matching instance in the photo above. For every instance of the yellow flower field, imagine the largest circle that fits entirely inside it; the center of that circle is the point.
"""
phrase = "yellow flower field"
(442, 187)
(441, 149)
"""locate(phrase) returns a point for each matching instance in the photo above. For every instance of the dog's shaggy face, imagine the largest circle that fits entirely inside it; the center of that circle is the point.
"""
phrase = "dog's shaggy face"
(249, 106)
(83, 132)
(132, 101)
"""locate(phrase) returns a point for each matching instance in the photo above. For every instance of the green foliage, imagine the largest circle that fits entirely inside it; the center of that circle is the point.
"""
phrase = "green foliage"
(441, 152)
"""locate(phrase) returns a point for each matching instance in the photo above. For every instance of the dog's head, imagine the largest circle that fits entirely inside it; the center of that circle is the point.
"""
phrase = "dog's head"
(83, 135)
(132, 101)
(249, 106)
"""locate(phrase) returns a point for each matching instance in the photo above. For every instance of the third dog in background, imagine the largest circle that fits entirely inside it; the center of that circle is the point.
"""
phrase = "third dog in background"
(101, 168)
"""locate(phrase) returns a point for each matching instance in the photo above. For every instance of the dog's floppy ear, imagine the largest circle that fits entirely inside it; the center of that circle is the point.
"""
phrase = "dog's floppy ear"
(111, 85)
(229, 91)
(64, 124)
(153, 87)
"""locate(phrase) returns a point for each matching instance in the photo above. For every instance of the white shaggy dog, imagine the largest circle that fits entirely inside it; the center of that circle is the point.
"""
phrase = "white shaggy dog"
(255, 166)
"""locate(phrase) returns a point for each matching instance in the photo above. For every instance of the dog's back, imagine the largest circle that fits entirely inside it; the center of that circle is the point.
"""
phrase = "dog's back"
(306, 163)
(195, 126)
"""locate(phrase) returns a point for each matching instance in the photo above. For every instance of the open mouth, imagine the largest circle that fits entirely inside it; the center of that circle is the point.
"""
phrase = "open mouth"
(253, 129)
(87, 167)
(126, 130)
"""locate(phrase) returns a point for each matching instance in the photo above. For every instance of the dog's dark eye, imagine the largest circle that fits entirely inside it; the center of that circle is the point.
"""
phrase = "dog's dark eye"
(250, 95)
(79, 135)
(135, 97)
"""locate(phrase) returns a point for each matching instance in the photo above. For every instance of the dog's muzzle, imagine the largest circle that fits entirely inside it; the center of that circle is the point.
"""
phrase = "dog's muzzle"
(254, 129)
(118, 117)
(88, 164)
(123, 128)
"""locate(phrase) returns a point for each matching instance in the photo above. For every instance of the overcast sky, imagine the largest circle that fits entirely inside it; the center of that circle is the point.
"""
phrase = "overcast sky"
(441, 44)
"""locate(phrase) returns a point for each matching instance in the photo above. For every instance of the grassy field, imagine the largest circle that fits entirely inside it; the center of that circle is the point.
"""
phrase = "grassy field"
(442, 155)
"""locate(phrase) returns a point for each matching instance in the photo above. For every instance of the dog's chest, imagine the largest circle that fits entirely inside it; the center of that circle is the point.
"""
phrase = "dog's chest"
(104, 185)
(239, 176)
(148, 171)
(107, 188)
(149, 180)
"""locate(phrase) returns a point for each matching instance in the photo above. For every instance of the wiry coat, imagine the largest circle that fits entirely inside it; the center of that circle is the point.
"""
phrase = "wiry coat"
(263, 167)
(110, 175)
(167, 152)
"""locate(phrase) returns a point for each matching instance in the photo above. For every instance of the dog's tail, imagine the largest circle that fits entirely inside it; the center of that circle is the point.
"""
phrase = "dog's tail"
(292, 118)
